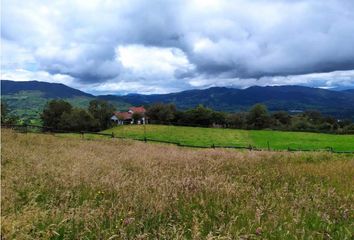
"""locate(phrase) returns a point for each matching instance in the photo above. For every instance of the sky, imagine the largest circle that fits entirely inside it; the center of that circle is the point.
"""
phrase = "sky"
(161, 46)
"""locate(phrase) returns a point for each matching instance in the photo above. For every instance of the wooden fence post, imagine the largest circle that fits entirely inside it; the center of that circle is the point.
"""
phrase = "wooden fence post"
(268, 146)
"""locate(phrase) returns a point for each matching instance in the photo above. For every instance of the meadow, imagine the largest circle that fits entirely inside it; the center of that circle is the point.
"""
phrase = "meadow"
(68, 188)
(197, 136)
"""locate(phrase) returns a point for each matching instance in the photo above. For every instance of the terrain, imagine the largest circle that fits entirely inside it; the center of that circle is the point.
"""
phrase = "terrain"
(66, 188)
(209, 137)
(27, 99)
(286, 98)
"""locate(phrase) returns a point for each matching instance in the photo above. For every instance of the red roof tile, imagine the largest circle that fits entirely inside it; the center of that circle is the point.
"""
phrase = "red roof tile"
(123, 115)
(137, 109)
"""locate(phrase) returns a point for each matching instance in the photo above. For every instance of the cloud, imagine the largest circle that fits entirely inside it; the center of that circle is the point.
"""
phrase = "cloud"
(165, 45)
(26, 75)
(336, 79)
(262, 38)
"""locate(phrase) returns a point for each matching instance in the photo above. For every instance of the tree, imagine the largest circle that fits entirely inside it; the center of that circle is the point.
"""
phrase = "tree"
(344, 123)
(7, 118)
(161, 112)
(181, 117)
(282, 117)
(199, 115)
(301, 124)
(330, 120)
(237, 120)
(218, 118)
(313, 116)
(51, 115)
(258, 117)
(4, 112)
(349, 128)
(136, 117)
(102, 111)
(78, 120)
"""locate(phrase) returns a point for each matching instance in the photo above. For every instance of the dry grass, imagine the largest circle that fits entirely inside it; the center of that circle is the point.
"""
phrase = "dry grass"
(58, 188)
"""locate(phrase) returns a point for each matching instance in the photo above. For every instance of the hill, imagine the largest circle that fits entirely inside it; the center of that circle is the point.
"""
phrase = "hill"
(27, 99)
(48, 90)
(288, 98)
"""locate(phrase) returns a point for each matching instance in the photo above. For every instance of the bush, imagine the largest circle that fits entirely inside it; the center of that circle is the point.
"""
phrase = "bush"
(78, 120)
(102, 111)
(349, 129)
(325, 126)
(301, 125)
(281, 118)
(53, 111)
(160, 112)
(237, 120)
(258, 117)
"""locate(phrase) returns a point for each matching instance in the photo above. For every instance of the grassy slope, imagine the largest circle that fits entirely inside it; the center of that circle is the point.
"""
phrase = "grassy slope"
(186, 135)
(302, 140)
(77, 189)
(231, 137)
(28, 105)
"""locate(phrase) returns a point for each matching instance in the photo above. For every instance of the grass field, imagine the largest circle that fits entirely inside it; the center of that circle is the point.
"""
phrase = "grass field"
(67, 188)
(231, 137)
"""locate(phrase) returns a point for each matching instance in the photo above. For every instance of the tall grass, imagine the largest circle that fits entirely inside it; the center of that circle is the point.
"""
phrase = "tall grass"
(65, 188)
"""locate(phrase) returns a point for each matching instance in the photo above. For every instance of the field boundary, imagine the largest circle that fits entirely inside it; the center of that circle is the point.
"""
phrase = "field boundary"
(26, 128)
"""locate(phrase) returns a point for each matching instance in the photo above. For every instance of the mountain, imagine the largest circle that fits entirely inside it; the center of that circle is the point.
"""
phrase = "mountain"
(49, 90)
(288, 98)
(349, 90)
(27, 99)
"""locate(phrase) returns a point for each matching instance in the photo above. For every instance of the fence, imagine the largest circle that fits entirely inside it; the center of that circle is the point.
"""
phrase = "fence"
(228, 126)
(26, 128)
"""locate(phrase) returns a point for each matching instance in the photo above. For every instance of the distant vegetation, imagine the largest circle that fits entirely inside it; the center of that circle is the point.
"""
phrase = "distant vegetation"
(61, 188)
(6, 117)
(28, 106)
(27, 99)
(258, 117)
(60, 115)
(277, 98)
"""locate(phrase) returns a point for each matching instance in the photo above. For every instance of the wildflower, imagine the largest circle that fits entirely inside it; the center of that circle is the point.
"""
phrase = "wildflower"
(259, 231)
(128, 221)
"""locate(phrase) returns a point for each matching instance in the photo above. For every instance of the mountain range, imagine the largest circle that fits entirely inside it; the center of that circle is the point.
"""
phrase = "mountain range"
(22, 97)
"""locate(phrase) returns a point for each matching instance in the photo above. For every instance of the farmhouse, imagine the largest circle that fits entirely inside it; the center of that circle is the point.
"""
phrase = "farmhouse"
(133, 115)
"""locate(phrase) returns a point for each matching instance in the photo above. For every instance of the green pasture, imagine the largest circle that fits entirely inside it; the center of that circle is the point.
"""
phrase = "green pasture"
(198, 136)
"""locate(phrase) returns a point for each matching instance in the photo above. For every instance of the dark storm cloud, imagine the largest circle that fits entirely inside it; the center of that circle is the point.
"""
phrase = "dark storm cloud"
(219, 39)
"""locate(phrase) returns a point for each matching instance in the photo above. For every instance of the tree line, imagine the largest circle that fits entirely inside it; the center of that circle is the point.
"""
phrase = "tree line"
(6, 117)
(61, 115)
(258, 117)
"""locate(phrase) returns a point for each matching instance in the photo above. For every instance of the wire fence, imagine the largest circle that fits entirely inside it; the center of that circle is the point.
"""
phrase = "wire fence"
(229, 126)
(27, 128)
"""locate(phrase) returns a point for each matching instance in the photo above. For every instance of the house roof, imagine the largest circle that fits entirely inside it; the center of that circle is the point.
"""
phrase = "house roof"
(137, 109)
(123, 115)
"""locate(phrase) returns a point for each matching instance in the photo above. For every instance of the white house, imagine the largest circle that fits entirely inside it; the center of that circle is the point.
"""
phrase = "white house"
(127, 117)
